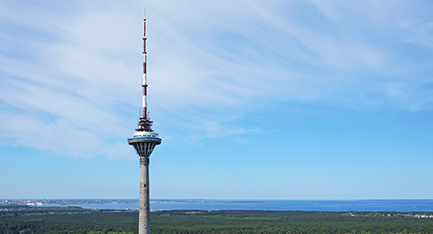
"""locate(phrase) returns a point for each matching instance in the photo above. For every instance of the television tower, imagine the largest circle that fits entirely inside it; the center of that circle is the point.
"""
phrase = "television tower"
(144, 141)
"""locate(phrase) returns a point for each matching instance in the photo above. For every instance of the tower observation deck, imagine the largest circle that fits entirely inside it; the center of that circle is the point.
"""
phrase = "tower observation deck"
(144, 141)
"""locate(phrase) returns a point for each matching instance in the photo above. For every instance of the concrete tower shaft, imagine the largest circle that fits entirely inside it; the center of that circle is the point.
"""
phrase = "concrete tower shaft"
(144, 206)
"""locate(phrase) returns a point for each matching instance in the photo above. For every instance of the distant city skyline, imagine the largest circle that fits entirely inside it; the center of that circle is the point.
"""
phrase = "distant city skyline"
(254, 100)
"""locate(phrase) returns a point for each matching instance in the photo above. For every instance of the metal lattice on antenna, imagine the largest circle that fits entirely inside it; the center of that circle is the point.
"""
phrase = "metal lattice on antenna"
(144, 141)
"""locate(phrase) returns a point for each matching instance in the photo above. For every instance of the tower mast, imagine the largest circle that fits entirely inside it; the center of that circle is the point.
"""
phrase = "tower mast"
(144, 141)
(144, 124)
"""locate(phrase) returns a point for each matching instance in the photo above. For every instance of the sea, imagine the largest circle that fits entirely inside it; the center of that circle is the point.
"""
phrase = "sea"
(276, 205)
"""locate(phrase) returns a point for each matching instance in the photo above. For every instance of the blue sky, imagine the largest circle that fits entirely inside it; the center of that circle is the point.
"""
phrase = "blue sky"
(253, 99)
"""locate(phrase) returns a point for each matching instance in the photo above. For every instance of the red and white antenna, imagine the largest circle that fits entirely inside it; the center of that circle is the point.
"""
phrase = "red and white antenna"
(144, 124)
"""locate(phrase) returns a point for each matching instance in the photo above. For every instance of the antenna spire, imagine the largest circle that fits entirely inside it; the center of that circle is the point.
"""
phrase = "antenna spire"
(144, 124)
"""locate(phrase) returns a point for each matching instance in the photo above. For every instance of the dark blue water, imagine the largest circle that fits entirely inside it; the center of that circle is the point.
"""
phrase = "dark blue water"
(279, 205)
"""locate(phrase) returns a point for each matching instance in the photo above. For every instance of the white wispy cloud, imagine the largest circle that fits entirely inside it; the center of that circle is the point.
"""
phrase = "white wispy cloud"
(64, 92)
(75, 67)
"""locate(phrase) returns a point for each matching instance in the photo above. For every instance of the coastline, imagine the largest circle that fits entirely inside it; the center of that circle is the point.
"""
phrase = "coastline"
(400, 205)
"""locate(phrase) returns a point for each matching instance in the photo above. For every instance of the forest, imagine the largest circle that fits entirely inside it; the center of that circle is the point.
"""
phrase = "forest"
(21, 219)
